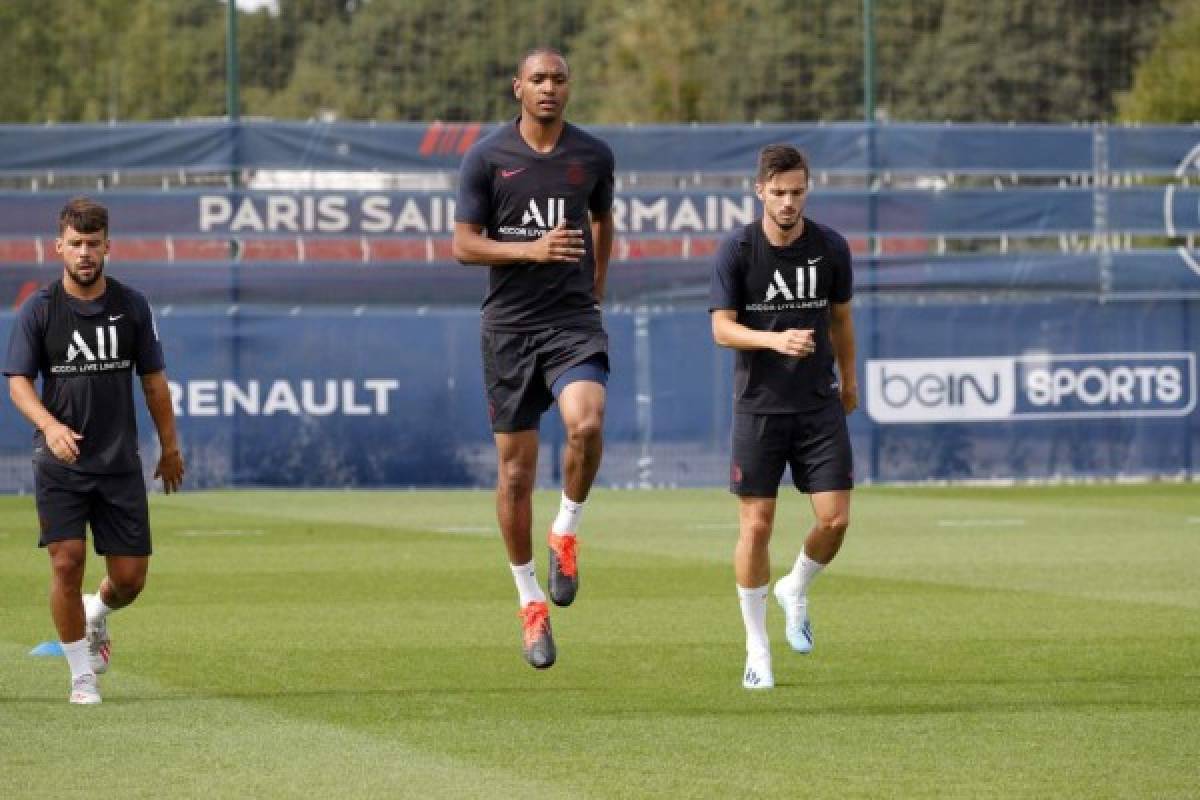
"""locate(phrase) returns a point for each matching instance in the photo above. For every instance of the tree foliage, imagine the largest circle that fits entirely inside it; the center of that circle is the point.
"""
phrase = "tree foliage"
(650, 61)
(1166, 86)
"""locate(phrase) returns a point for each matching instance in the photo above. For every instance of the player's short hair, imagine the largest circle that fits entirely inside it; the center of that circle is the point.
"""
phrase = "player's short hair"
(84, 215)
(776, 158)
(543, 50)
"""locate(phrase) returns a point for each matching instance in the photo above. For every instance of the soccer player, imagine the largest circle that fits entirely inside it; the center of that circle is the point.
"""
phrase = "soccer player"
(85, 334)
(535, 206)
(781, 290)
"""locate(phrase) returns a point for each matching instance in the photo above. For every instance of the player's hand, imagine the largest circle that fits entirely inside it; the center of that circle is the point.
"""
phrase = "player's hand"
(849, 397)
(796, 342)
(62, 442)
(170, 469)
(561, 245)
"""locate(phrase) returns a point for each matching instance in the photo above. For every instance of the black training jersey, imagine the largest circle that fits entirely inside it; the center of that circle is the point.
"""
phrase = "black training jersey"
(775, 289)
(85, 353)
(517, 195)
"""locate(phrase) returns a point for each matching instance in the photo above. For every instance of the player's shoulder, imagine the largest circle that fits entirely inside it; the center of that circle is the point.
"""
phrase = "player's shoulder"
(37, 302)
(131, 293)
(494, 141)
(832, 238)
(134, 297)
(735, 244)
(587, 138)
(741, 236)
(584, 139)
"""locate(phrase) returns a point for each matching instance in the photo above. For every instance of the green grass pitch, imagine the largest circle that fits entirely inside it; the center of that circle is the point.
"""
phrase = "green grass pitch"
(977, 643)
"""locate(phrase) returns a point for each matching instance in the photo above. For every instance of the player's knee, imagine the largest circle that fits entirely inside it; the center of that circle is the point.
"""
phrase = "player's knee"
(68, 563)
(755, 533)
(834, 524)
(128, 587)
(586, 430)
(515, 479)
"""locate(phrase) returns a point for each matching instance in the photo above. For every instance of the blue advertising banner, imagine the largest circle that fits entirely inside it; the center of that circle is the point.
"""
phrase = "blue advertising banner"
(730, 149)
(1001, 390)
(1171, 211)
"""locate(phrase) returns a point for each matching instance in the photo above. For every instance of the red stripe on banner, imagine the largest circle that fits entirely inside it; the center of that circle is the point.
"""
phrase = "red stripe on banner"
(469, 136)
(430, 140)
(905, 245)
(333, 250)
(19, 250)
(200, 249)
(140, 250)
(639, 249)
(270, 250)
(443, 249)
(397, 249)
(704, 248)
(449, 137)
(27, 288)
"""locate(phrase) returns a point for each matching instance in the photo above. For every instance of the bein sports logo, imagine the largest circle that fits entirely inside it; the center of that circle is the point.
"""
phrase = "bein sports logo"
(1033, 386)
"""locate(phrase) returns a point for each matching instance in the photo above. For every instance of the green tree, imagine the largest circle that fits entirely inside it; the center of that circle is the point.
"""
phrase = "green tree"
(172, 60)
(421, 59)
(1020, 60)
(733, 61)
(1166, 86)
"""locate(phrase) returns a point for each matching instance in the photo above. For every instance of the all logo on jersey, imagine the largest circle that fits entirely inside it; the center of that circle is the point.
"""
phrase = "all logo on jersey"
(806, 285)
(79, 347)
(539, 217)
(97, 353)
(556, 212)
(799, 292)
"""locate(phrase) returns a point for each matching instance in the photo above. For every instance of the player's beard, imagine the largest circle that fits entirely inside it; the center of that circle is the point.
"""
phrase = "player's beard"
(97, 271)
(785, 226)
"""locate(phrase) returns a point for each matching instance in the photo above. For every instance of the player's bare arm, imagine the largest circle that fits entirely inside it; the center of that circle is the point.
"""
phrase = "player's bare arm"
(561, 245)
(841, 332)
(603, 228)
(728, 332)
(62, 441)
(158, 401)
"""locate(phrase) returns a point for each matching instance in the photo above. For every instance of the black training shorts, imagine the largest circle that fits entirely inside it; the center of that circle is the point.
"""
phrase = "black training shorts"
(113, 505)
(816, 445)
(520, 368)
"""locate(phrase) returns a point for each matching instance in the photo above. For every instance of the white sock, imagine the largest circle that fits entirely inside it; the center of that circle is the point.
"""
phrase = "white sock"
(77, 658)
(566, 523)
(754, 616)
(94, 607)
(803, 573)
(527, 584)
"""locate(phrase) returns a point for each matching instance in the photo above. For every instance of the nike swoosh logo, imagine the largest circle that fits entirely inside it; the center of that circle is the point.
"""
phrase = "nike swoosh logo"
(508, 173)
(111, 318)
(812, 261)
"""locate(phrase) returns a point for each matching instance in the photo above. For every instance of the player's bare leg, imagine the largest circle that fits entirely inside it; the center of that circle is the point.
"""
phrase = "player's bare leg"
(831, 512)
(752, 570)
(121, 586)
(516, 455)
(581, 405)
(67, 562)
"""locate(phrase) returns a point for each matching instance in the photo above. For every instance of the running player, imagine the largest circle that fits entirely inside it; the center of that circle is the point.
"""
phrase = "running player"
(84, 335)
(535, 206)
(781, 292)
